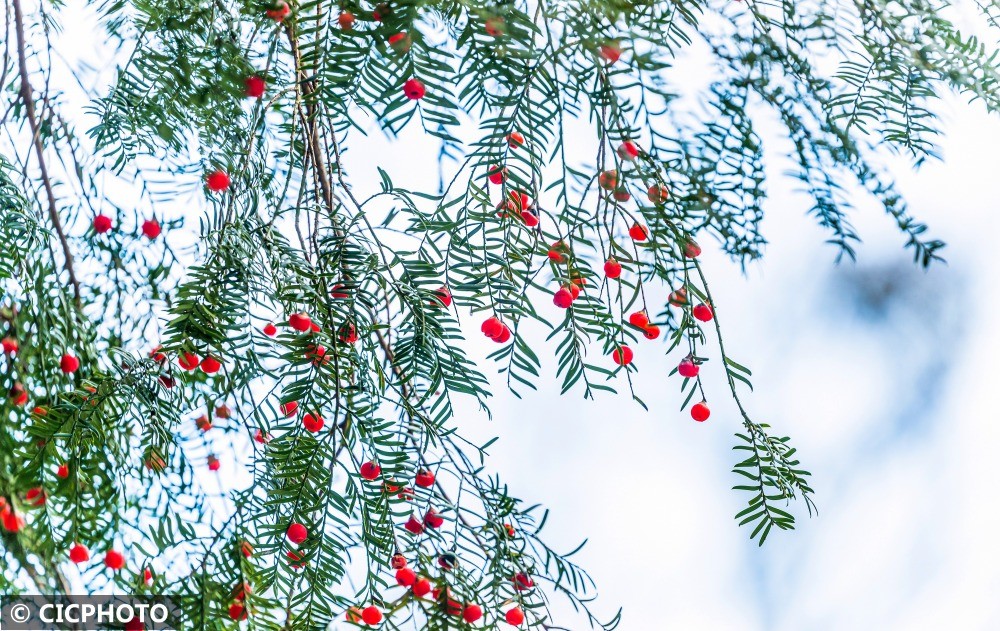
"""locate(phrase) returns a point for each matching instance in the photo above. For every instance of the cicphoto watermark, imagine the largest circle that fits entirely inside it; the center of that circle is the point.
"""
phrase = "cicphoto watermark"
(83, 613)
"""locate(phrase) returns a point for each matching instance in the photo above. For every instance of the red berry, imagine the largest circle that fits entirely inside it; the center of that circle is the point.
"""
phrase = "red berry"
(270, 330)
(443, 294)
(608, 180)
(102, 224)
(421, 588)
(400, 42)
(10, 345)
(515, 139)
(279, 11)
(495, 26)
(700, 412)
(574, 290)
(79, 553)
(300, 322)
(114, 560)
(522, 582)
(414, 89)
(237, 611)
(703, 312)
(203, 423)
(312, 422)
(622, 355)
(348, 334)
(639, 319)
(289, 408)
(425, 478)
(472, 613)
(612, 268)
(678, 297)
(217, 181)
(432, 519)
(370, 470)
(62, 471)
(628, 150)
(69, 364)
(371, 615)
(406, 577)
(691, 249)
(492, 327)
(611, 52)
(398, 561)
(622, 194)
(223, 411)
(151, 229)
(657, 193)
(134, 624)
(651, 332)
(497, 174)
(297, 533)
(254, 87)
(514, 617)
(147, 577)
(638, 232)
(414, 526)
(213, 463)
(210, 365)
(261, 437)
(687, 368)
(504, 335)
(529, 218)
(346, 20)
(188, 361)
(246, 549)
(562, 298)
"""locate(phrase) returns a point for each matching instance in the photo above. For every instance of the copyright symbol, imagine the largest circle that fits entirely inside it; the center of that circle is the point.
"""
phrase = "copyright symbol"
(20, 613)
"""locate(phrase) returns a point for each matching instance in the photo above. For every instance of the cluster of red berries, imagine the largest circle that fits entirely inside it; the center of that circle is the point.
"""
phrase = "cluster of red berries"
(113, 559)
(496, 330)
(103, 224)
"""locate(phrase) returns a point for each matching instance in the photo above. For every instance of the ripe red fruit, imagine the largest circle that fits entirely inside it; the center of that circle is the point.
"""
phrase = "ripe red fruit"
(691, 249)
(687, 368)
(472, 613)
(562, 298)
(497, 174)
(443, 294)
(514, 617)
(294, 560)
(279, 11)
(371, 615)
(134, 624)
(217, 181)
(289, 408)
(414, 89)
(297, 533)
(151, 229)
(495, 26)
(35, 496)
(114, 560)
(79, 553)
(203, 423)
(608, 180)
(522, 582)
(651, 332)
(312, 422)
(62, 471)
(10, 345)
(223, 411)
(382, 11)
(270, 330)
(102, 224)
(261, 437)
(628, 150)
(529, 218)
(703, 312)
(638, 232)
(210, 365)
(254, 87)
(237, 611)
(432, 519)
(504, 335)
(611, 52)
(421, 588)
(406, 577)
(700, 412)
(414, 526)
(370, 470)
(300, 322)
(12, 522)
(574, 290)
(69, 364)
(612, 268)
(147, 577)
(622, 355)
(400, 42)
(353, 615)
(492, 327)
(348, 334)
(346, 20)
(657, 193)
(246, 549)
(449, 561)
(515, 139)
(398, 561)
(213, 463)
(639, 319)
(621, 194)
(425, 478)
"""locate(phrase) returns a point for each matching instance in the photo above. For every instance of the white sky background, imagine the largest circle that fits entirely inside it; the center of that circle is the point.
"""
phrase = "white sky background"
(890, 399)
